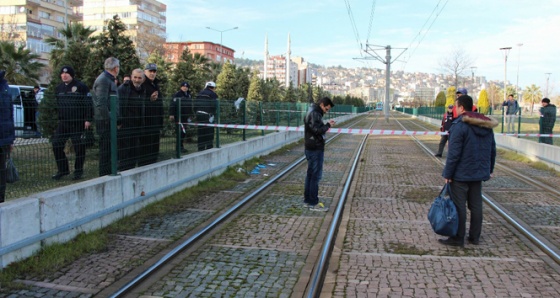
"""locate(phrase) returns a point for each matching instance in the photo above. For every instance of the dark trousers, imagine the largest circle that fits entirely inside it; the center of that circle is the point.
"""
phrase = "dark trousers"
(442, 143)
(104, 147)
(62, 134)
(545, 140)
(314, 174)
(148, 148)
(128, 144)
(468, 194)
(4, 150)
(205, 137)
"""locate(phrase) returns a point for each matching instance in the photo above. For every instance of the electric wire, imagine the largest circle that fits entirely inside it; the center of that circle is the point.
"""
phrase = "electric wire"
(353, 23)
(422, 36)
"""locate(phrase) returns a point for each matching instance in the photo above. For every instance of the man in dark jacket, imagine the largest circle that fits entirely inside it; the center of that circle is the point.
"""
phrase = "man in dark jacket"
(205, 108)
(103, 87)
(74, 117)
(153, 117)
(445, 126)
(132, 101)
(314, 138)
(7, 131)
(470, 160)
(546, 121)
(185, 99)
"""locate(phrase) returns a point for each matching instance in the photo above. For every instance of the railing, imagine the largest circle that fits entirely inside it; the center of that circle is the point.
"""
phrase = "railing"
(139, 136)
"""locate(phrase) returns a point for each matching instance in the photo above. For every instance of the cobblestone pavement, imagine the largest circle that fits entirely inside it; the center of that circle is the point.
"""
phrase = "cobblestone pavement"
(386, 247)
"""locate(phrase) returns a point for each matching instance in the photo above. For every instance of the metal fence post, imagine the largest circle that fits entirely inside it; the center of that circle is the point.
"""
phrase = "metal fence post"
(244, 107)
(178, 121)
(503, 120)
(262, 118)
(114, 159)
(519, 123)
(217, 120)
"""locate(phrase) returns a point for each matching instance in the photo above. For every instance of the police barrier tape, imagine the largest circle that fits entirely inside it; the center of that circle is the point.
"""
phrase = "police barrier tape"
(359, 131)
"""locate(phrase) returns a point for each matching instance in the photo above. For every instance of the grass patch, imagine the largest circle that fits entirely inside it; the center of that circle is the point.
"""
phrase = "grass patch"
(53, 257)
(421, 195)
(539, 165)
(405, 249)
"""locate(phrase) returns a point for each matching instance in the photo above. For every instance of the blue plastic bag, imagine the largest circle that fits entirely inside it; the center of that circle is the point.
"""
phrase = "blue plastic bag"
(443, 214)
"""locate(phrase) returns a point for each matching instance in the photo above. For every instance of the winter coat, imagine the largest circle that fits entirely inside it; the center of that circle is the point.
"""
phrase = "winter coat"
(103, 87)
(73, 103)
(472, 149)
(132, 106)
(512, 107)
(7, 129)
(315, 129)
(205, 105)
(446, 122)
(154, 109)
(547, 119)
(186, 105)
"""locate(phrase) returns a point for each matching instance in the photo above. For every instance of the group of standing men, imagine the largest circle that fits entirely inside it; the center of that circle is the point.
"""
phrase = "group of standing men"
(138, 110)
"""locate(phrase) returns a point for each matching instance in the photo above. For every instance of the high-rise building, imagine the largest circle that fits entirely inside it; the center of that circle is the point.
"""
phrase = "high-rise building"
(145, 20)
(284, 68)
(29, 22)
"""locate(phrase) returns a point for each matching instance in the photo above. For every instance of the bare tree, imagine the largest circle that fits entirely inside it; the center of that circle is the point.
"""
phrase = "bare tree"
(456, 63)
(9, 29)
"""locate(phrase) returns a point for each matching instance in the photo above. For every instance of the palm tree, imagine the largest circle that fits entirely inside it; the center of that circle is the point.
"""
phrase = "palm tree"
(532, 94)
(20, 64)
(73, 49)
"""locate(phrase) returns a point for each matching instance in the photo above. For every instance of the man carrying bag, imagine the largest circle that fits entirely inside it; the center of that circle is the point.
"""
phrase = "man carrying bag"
(470, 160)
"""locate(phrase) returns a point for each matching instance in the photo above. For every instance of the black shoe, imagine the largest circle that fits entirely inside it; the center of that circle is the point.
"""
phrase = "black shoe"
(472, 241)
(59, 175)
(78, 175)
(437, 155)
(451, 241)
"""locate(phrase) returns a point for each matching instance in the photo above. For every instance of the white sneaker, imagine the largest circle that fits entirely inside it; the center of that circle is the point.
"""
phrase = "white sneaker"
(319, 208)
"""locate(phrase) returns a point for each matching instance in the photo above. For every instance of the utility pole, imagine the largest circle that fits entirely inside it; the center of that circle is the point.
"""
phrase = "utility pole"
(387, 61)
(519, 45)
(547, 78)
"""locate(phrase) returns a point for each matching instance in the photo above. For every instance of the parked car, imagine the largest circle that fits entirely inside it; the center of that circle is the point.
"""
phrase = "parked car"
(25, 111)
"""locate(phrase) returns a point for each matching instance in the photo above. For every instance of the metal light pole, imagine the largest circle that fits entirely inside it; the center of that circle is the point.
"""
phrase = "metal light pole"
(506, 51)
(519, 45)
(221, 33)
(473, 68)
(547, 77)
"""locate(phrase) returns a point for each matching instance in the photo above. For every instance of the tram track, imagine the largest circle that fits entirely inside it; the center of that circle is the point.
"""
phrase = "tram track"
(137, 282)
(550, 246)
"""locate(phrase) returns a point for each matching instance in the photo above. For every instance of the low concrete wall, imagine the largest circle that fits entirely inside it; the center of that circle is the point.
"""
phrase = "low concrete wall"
(548, 154)
(60, 214)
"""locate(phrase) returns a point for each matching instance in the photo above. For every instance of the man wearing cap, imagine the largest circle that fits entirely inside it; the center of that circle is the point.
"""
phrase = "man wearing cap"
(546, 121)
(462, 91)
(103, 87)
(511, 111)
(184, 97)
(74, 117)
(205, 107)
(446, 123)
(153, 117)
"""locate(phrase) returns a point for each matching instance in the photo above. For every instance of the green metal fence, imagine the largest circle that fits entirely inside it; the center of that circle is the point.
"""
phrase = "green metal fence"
(137, 137)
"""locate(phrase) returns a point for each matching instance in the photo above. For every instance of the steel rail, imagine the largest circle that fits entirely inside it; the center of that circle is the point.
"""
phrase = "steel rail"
(198, 235)
(524, 231)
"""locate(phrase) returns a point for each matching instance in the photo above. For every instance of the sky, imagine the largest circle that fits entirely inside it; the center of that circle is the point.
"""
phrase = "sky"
(422, 32)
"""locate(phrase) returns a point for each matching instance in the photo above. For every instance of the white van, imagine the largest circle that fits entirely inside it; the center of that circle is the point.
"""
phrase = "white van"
(25, 111)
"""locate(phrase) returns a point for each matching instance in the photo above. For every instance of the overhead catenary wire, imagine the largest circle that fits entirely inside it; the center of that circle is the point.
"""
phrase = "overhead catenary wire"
(421, 35)
(353, 23)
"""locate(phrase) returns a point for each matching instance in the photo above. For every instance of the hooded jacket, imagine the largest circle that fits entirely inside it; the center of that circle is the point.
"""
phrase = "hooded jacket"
(7, 133)
(547, 119)
(315, 129)
(472, 149)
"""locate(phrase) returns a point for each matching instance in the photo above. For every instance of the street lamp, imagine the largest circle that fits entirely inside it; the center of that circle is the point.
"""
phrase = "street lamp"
(221, 33)
(518, 59)
(506, 51)
(547, 77)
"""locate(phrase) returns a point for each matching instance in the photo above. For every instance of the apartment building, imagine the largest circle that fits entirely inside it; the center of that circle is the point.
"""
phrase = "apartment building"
(145, 20)
(213, 51)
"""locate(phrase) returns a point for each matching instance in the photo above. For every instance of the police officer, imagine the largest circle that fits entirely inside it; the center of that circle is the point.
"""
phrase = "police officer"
(153, 117)
(184, 96)
(74, 116)
(205, 107)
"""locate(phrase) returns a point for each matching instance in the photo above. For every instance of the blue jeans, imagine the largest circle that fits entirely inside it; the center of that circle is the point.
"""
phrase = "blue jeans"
(314, 175)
